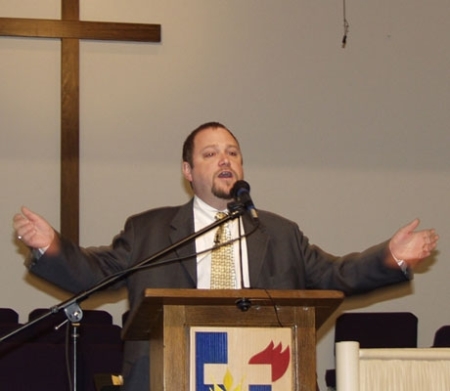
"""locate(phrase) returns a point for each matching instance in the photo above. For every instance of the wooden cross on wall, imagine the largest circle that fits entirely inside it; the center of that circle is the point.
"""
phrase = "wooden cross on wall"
(70, 30)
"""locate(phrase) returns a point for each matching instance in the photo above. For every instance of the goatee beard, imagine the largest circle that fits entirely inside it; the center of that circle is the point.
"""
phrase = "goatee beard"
(220, 193)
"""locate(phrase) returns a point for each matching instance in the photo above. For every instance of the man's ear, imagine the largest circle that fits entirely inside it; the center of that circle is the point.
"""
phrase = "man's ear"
(187, 171)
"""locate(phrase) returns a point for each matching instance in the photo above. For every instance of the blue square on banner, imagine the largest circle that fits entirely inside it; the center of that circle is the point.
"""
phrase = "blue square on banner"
(210, 348)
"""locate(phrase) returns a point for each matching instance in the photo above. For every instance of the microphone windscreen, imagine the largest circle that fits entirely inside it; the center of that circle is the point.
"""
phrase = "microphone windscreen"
(238, 187)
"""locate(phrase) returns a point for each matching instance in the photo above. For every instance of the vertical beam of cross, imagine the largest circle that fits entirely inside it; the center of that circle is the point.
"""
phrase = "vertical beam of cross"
(70, 30)
(70, 128)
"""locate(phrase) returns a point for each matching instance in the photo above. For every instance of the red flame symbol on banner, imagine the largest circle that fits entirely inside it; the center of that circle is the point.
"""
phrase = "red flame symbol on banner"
(279, 360)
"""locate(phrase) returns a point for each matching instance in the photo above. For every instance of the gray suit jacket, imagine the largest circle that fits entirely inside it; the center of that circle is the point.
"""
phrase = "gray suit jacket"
(280, 257)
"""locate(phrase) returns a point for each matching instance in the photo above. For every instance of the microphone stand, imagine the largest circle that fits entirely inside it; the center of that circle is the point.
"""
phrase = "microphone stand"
(71, 307)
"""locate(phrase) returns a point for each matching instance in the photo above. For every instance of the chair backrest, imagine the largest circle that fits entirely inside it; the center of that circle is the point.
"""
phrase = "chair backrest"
(89, 316)
(95, 325)
(9, 316)
(39, 347)
(442, 337)
(378, 329)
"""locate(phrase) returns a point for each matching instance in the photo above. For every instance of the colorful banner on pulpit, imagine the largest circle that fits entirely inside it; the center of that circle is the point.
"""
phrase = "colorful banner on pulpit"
(240, 359)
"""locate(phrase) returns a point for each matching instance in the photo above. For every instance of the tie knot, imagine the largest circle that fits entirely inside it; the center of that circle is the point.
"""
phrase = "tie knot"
(220, 215)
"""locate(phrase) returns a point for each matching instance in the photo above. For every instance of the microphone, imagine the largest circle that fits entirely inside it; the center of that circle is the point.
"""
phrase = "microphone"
(241, 193)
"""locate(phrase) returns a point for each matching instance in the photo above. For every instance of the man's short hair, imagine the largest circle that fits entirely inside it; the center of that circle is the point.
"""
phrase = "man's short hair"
(188, 146)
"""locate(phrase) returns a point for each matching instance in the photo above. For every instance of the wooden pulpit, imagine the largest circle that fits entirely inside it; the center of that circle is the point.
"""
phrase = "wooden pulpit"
(168, 318)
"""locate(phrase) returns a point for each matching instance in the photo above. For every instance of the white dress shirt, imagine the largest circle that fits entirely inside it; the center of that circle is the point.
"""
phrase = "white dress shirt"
(203, 216)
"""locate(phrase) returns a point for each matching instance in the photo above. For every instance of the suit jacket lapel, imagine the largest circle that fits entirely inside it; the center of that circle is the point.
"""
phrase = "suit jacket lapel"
(256, 248)
(182, 226)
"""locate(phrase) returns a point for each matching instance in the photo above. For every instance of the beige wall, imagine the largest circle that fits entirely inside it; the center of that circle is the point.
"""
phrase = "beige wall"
(350, 143)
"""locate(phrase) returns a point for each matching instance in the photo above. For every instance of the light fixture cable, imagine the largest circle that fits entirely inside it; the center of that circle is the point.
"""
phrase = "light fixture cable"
(346, 25)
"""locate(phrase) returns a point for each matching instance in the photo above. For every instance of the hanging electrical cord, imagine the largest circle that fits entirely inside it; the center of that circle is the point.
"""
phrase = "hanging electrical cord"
(346, 26)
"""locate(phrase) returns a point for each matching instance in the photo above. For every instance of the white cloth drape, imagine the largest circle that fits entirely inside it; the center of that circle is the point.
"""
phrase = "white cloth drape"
(408, 369)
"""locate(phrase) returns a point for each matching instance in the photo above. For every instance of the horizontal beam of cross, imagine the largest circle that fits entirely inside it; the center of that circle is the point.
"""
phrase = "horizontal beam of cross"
(50, 28)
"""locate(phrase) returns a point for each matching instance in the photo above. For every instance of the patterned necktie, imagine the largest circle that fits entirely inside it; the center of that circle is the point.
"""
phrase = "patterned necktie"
(223, 275)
